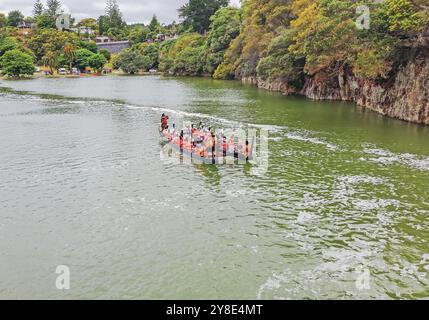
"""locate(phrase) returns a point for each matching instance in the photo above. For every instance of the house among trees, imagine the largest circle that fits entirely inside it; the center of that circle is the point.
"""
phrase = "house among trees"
(25, 28)
(25, 25)
(111, 46)
(102, 39)
(160, 37)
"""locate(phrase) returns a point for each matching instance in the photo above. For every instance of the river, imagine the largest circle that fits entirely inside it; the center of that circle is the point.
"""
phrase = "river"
(341, 213)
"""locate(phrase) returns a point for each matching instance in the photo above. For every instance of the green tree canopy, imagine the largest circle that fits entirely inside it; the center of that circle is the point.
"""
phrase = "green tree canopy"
(3, 20)
(51, 60)
(16, 63)
(103, 24)
(97, 62)
(7, 44)
(88, 22)
(38, 8)
(89, 45)
(262, 21)
(403, 16)
(197, 13)
(151, 54)
(53, 8)
(105, 54)
(114, 15)
(45, 21)
(83, 58)
(14, 18)
(154, 24)
(45, 40)
(225, 26)
(131, 61)
(139, 34)
(184, 56)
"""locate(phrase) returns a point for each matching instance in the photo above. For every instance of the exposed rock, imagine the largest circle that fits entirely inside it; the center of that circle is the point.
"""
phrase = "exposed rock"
(405, 97)
(270, 85)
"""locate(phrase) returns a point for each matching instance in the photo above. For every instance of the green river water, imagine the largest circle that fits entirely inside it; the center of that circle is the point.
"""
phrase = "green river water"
(84, 183)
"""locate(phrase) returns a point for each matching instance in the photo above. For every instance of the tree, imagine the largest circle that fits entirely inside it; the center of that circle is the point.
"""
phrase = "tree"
(225, 26)
(139, 34)
(190, 61)
(14, 18)
(114, 14)
(3, 20)
(97, 62)
(88, 22)
(46, 40)
(70, 54)
(82, 58)
(45, 21)
(16, 63)
(38, 9)
(89, 45)
(184, 56)
(403, 16)
(131, 61)
(53, 8)
(29, 20)
(50, 60)
(105, 53)
(154, 24)
(103, 24)
(262, 21)
(117, 33)
(151, 54)
(197, 13)
(8, 44)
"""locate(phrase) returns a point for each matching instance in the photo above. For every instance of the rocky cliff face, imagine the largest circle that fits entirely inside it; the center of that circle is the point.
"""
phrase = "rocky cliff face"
(405, 96)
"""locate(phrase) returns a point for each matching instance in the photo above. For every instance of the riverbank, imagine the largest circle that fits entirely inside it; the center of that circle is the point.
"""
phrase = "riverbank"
(82, 75)
(404, 96)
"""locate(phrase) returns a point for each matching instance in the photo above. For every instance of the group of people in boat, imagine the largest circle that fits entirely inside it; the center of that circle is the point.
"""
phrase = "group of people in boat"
(203, 141)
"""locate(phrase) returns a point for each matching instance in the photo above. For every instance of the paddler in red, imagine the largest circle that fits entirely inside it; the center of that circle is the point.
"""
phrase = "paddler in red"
(224, 146)
(164, 122)
(181, 140)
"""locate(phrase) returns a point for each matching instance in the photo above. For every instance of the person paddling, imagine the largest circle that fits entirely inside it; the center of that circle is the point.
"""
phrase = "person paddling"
(224, 146)
(181, 140)
(164, 122)
(213, 143)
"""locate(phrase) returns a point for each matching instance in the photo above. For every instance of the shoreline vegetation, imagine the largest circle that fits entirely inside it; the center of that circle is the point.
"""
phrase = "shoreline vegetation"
(83, 75)
(316, 49)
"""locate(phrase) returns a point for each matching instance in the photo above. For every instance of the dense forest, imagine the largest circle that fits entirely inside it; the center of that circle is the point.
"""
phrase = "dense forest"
(286, 45)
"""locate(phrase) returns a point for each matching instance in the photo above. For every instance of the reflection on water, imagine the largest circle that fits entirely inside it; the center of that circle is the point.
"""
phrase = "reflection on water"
(84, 183)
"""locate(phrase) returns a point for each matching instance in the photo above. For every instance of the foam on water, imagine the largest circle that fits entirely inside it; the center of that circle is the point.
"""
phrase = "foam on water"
(386, 157)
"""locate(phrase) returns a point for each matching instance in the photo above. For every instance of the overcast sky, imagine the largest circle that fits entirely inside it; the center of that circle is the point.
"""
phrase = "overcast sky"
(133, 10)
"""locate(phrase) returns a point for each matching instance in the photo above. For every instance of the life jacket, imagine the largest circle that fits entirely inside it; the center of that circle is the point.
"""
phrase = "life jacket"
(202, 152)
